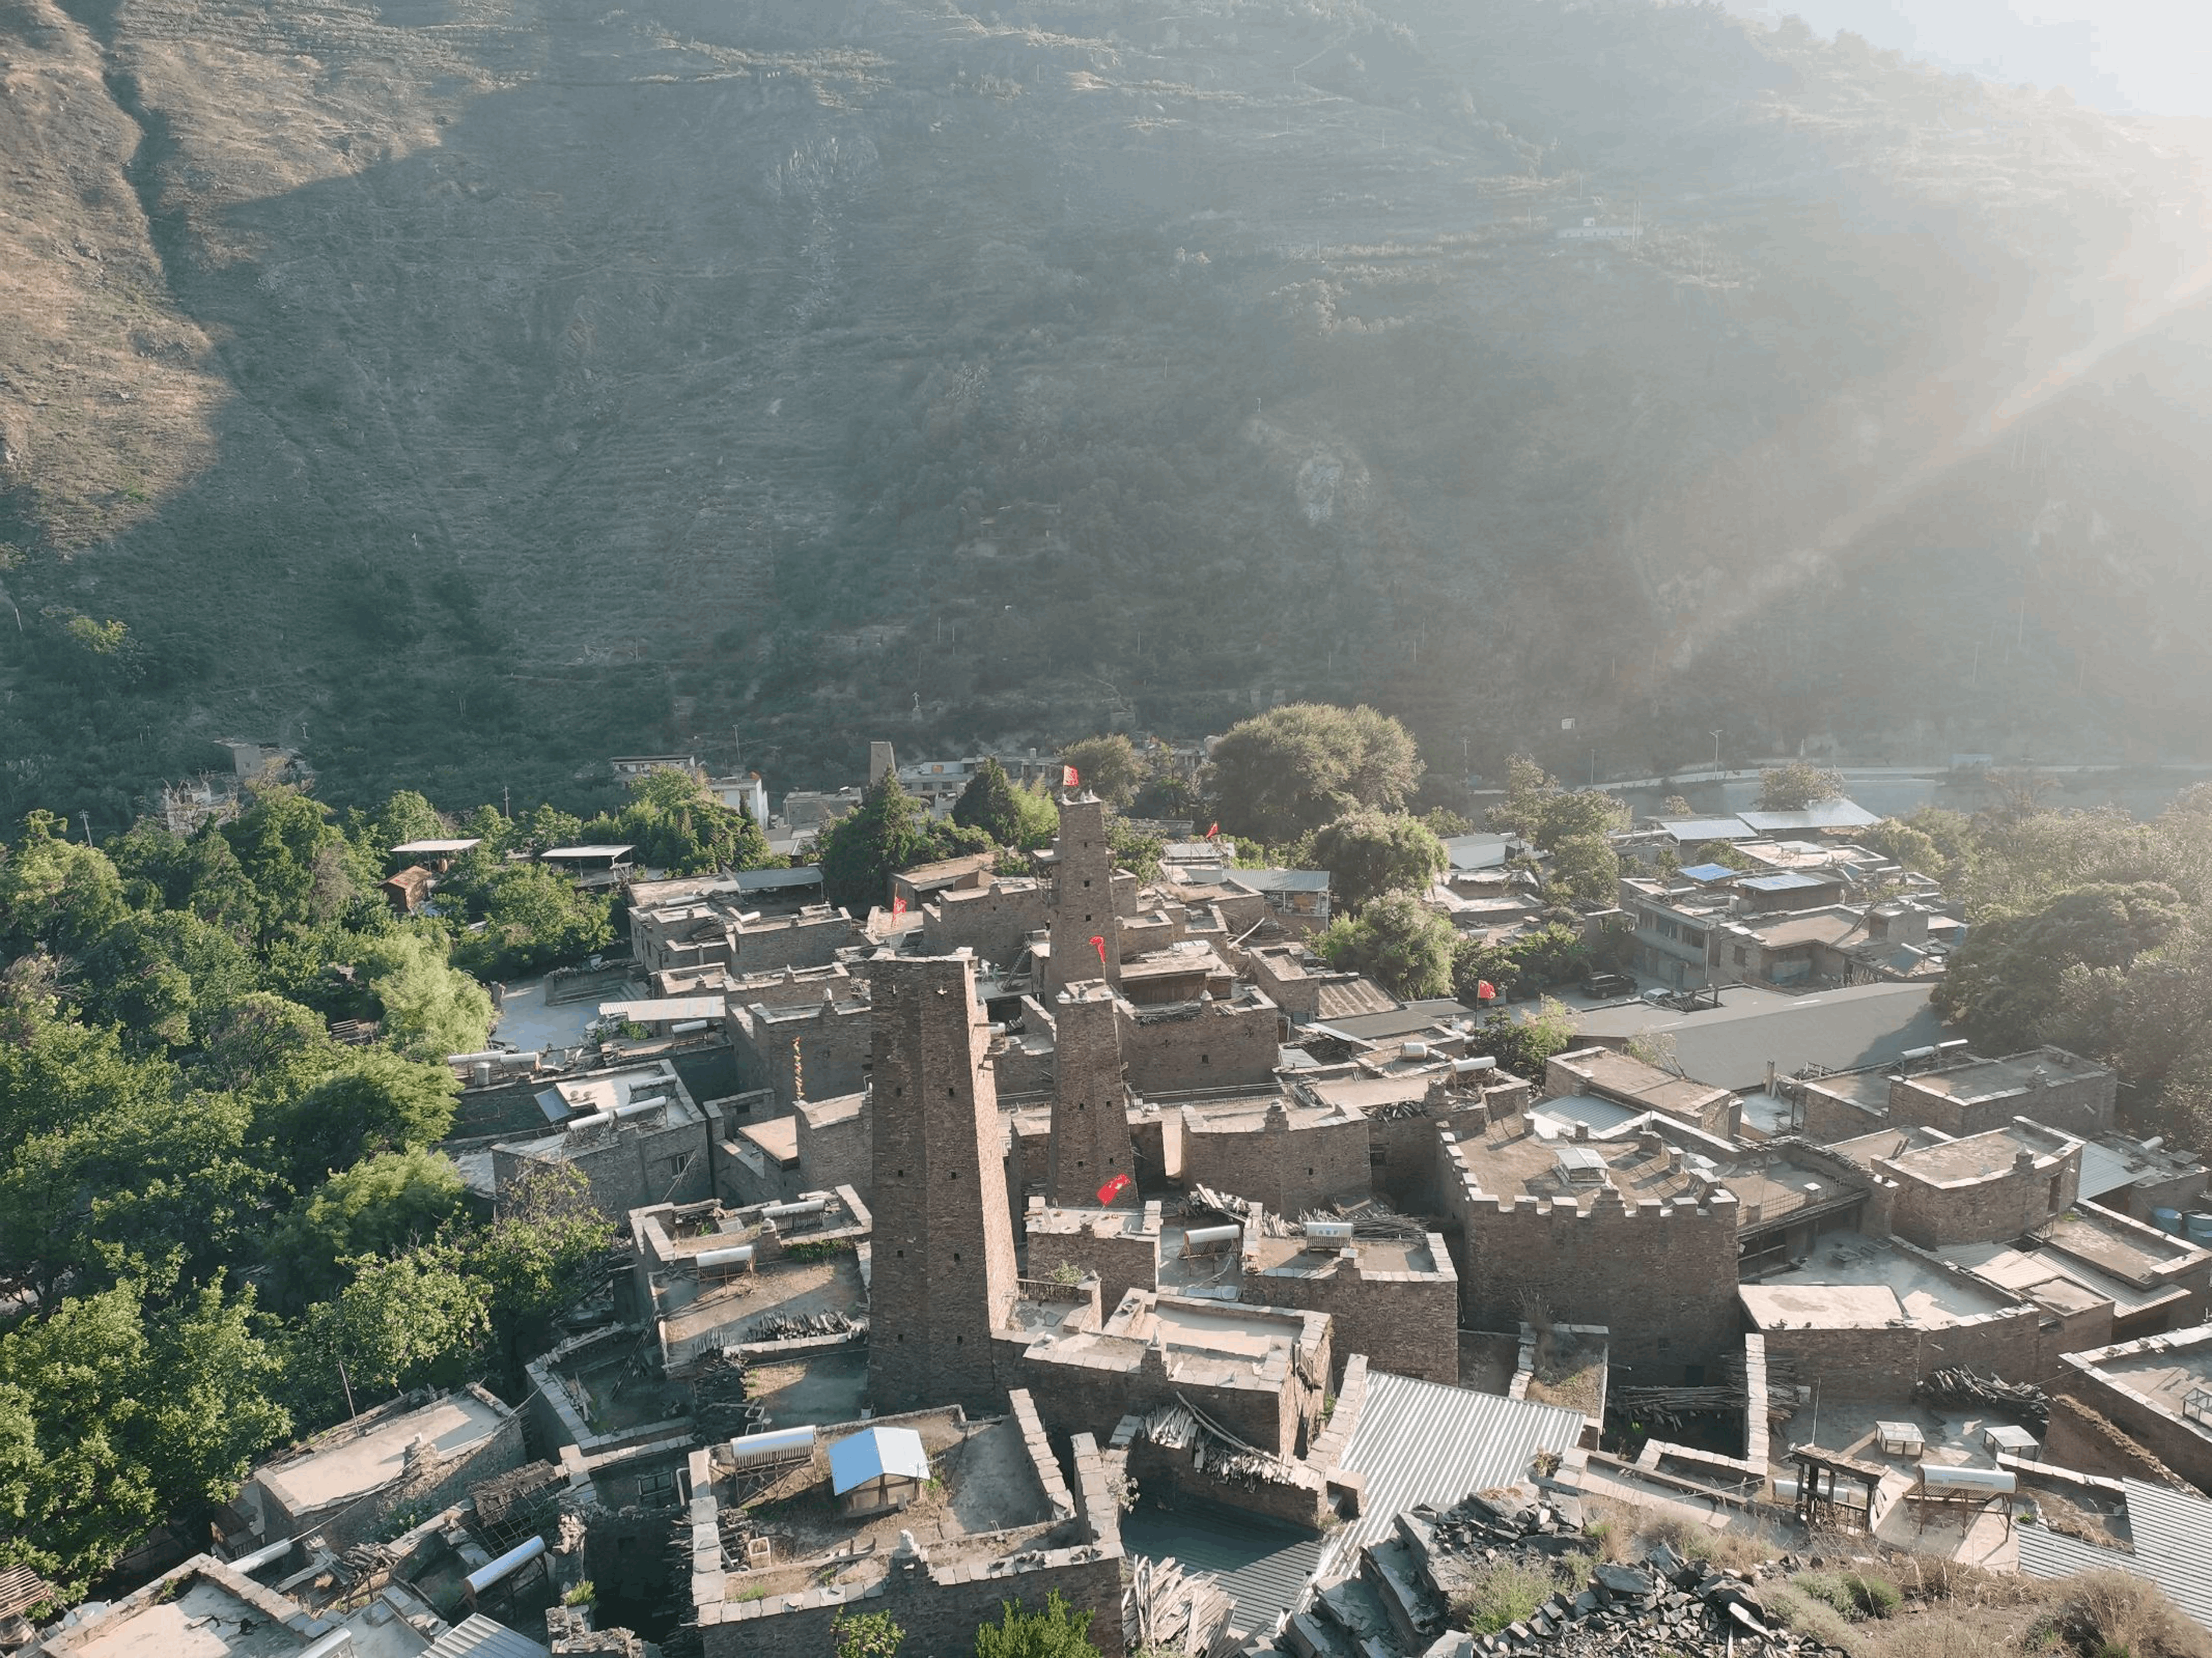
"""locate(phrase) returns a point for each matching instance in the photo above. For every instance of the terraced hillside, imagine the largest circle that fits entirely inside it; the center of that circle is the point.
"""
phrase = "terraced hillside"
(456, 388)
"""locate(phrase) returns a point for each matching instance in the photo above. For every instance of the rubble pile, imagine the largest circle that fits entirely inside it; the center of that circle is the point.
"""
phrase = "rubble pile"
(1958, 1385)
(799, 1326)
(1401, 1601)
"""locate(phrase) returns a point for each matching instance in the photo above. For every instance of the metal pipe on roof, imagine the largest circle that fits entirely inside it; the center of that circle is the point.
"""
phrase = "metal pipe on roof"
(596, 1120)
(796, 1210)
(687, 1027)
(506, 1566)
(262, 1555)
(737, 1254)
(779, 1444)
(338, 1641)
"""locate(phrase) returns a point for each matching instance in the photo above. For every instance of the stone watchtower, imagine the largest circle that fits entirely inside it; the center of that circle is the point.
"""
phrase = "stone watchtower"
(1091, 1141)
(943, 1275)
(1083, 896)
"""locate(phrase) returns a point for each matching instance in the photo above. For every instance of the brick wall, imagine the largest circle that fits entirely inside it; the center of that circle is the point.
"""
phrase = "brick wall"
(1156, 1135)
(1196, 1045)
(1405, 1322)
(809, 938)
(1865, 1363)
(814, 1055)
(1662, 1278)
(1123, 1260)
(1992, 1209)
(944, 1242)
(1298, 1497)
(439, 1484)
(1289, 1169)
(836, 1144)
(994, 923)
(2183, 1446)
(1089, 1142)
(1406, 1158)
(1082, 906)
(626, 1167)
(2084, 1439)
(1830, 1117)
(2073, 1104)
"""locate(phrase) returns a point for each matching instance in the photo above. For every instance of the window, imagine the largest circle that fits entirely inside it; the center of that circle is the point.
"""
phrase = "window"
(655, 1485)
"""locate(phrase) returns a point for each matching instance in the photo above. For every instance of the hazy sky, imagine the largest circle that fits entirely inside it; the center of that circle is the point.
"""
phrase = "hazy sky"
(2150, 56)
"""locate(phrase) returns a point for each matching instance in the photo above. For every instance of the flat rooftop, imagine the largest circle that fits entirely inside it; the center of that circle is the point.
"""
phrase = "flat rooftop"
(2163, 1369)
(741, 1304)
(1780, 1188)
(1977, 1156)
(354, 1458)
(1511, 1159)
(1607, 1071)
(611, 1090)
(1987, 1079)
(208, 1620)
(1296, 1256)
(1855, 1282)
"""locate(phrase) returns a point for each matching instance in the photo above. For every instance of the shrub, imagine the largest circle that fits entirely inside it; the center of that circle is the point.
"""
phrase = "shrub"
(2108, 1614)
(1808, 1617)
(1503, 1594)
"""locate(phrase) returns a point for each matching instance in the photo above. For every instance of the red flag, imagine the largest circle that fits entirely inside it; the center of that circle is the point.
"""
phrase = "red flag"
(1484, 991)
(1067, 777)
(1099, 943)
(1114, 1188)
(898, 905)
(1213, 833)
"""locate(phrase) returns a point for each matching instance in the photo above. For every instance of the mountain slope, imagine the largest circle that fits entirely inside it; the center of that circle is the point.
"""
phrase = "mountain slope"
(525, 380)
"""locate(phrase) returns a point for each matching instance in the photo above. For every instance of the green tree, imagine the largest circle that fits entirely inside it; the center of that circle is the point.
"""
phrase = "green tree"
(676, 824)
(2005, 982)
(376, 1102)
(1398, 942)
(545, 1248)
(1368, 853)
(379, 1206)
(861, 850)
(1288, 771)
(535, 918)
(418, 1318)
(1584, 870)
(865, 1634)
(302, 868)
(56, 893)
(110, 1420)
(429, 1007)
(1797, 786)
(1109, 767)
(407, 817)
(991, 803)
(1055, 1632)
(1540, 812)
(1522, 1045)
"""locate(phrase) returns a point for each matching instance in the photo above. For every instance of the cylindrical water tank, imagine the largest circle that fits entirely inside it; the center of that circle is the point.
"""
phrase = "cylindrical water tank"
(585, 1124)
(797, 1211)
(638, 1108)
(687, 1027)
(1211, 1240)
(2197, 1229)
(1416, 1050)
(1465, 1067)
(735, 1256)
(268, 1554)
(480, 1074)
(778, 1445)
(2166, 1220)
(508, 1563)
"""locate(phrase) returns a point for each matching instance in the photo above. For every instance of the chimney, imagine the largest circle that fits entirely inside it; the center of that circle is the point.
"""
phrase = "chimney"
(1582, 1131)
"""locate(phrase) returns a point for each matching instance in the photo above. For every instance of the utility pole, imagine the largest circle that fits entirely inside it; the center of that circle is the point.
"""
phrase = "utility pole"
(85, 818)
(1716, 750)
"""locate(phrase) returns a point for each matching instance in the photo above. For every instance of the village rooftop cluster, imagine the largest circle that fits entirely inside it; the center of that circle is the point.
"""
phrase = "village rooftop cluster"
(972, 1245)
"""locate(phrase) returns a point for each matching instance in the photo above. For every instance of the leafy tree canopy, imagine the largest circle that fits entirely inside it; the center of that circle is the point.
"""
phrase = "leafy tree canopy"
(1288, 771)
(1368, 853)
(1110, 767)
(1396, 941)
(676, 824)
(1055, 1632)
(1541, 812)
(1797, 786)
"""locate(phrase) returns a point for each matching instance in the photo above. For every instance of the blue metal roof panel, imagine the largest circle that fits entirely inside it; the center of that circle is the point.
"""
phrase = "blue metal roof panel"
(1423, 1442)
(876, 1451)
(1787, 881)
(1705, 873)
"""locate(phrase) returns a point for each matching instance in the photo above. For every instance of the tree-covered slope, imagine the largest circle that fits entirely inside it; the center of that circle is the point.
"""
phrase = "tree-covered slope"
(454, 390)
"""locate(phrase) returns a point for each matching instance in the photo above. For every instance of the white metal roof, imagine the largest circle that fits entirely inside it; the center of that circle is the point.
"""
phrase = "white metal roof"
(1688, 829)
(1835, 814)
(433, 848)
(666, 1007)
(584, 851)
(876, 1451)
(478, 1636)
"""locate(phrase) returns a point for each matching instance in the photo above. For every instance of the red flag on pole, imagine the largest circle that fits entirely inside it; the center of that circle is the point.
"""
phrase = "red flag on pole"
(1067, 777)
(1214, 833)
(1114, 1188)
(898, 905)
(1099, 943)
(1484, 991)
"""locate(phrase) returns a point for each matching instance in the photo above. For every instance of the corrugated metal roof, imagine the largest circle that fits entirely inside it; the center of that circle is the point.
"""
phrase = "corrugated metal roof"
(1264, 1568)
(666, 1007)
(1787, 881)
(1706, 874)
(1350, 999)
(2171, 1529)
(1422, 1442)
(767, 880)
(1838, 813)
(478, 1637)
(1280, 880)
(1706, 829)
(2103, 1170)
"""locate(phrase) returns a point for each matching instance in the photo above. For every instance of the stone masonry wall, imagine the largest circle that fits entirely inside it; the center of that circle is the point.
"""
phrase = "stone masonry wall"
(1089, 1143)
(1290, 1169)
(1123, 1260)
(1199, 1045)
(1996, 1209)
(2185, 1446)
(1406, 1323)
(1662, 1278)
(1083, 896)
(944, 1245)
(835, 1144)
(993, 923)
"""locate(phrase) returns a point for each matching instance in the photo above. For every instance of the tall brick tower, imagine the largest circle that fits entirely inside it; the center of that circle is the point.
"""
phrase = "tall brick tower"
(943, 1250)
(1089, 1140)
(1082, 894)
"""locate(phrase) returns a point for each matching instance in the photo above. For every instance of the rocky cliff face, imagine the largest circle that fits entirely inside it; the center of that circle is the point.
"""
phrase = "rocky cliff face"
(453, 389)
